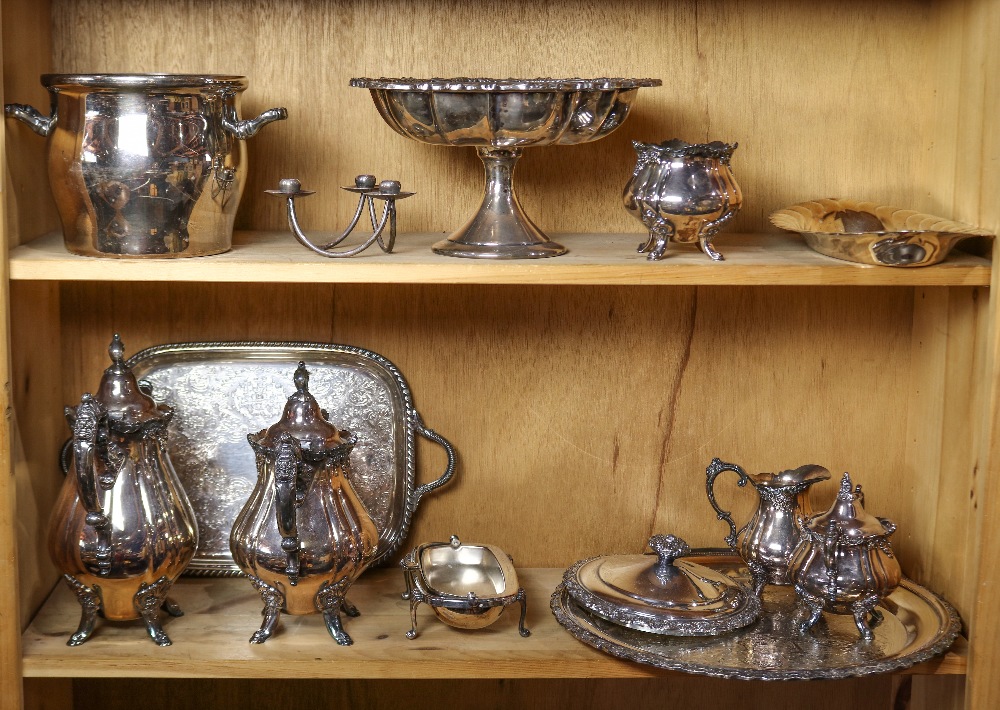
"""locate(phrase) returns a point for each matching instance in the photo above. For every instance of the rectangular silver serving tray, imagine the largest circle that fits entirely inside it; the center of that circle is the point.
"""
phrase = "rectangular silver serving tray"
(223, 391)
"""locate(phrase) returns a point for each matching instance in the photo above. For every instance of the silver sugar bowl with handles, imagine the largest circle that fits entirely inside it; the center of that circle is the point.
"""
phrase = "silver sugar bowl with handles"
(844, 563)
(149, 165)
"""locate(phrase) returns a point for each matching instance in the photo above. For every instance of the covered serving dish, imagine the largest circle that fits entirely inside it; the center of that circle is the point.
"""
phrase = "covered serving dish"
(467, 586)
(662, 593)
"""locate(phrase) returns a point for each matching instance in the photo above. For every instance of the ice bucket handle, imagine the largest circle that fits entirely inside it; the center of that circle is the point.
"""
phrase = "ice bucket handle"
(42, 125)
(249, 127)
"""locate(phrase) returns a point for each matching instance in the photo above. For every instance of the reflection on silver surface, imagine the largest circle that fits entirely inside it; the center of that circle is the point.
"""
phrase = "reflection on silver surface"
(145, 164)
(918, 625)
(501, 117)
(221, 391)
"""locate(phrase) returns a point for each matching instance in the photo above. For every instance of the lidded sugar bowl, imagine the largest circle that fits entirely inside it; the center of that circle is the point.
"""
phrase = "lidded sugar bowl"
(662, 593)
(304, 535)
(682, 192)
(122, 529)
(844, 563)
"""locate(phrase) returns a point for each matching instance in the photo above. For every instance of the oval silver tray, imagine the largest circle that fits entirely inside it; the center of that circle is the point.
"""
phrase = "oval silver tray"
(223, 391)
(917, 625)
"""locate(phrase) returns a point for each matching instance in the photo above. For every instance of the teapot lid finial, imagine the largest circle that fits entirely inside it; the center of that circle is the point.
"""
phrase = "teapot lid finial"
(301, 378)
(846, 492)
(119, 392)
(303, 419)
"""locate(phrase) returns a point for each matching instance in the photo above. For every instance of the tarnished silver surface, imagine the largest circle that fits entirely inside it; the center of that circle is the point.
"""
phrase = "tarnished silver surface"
(662, 594)
(874, 234)
(917, 625)
(387, 191)
(682, 192)
(467, 586)
(500, 117)
(844, 563)
(221, 391)
(122, 529)
(145, 164)
(767, 540)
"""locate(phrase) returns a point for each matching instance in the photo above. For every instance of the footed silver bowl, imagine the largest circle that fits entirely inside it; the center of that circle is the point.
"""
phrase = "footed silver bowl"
(500, 117)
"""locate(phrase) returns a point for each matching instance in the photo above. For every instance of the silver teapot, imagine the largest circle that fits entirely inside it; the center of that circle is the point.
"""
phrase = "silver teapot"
(844, 563)
(768, 539)
(683, 193)
(304, 535)
(122, 529)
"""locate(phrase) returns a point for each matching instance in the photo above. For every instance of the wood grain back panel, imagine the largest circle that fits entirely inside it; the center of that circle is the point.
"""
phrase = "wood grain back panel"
(824, 98)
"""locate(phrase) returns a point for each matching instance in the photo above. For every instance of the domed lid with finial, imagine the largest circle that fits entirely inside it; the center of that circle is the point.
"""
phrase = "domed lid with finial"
(127, 405)
(304, 420)
(848, 515)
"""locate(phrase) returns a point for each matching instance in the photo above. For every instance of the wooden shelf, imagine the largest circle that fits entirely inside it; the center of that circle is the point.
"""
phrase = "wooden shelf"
(274, 257)
(211, 640)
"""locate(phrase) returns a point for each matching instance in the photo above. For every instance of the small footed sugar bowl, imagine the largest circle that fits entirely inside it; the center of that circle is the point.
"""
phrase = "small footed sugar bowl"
(683, 192)
(467, 586)
(844, 563)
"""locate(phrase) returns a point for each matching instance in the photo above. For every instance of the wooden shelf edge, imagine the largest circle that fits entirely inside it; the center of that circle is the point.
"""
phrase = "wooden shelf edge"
(594, 259)
(211, 641)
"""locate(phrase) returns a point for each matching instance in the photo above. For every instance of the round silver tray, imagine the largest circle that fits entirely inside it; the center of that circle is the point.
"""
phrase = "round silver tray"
(918, 625)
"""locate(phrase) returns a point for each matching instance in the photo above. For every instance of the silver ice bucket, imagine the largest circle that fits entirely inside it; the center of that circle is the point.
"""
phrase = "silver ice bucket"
(145, 164)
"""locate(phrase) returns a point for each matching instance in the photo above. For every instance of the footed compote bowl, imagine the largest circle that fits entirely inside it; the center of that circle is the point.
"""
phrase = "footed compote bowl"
(500, 117)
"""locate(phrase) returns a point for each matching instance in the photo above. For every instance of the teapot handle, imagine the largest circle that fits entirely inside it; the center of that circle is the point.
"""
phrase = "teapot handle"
(714, 469)
(87, 421)
(286, 474)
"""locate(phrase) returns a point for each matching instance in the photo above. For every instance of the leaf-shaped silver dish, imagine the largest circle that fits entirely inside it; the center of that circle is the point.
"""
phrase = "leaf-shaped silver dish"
(869, 233)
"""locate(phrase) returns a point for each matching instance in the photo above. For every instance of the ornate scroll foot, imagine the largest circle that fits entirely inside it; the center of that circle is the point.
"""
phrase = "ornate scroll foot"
(758, 575)
(147, 602)
(329, 600)
(706, 246)
(861, 608)
(172, 607)
(523, 598)
(349, 609)
(414, 603)
(815, 605)
(90, 602)
(274, 600)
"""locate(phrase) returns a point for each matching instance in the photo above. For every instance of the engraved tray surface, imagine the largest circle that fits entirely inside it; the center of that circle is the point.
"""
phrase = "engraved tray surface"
(223, 391)
(917, 625)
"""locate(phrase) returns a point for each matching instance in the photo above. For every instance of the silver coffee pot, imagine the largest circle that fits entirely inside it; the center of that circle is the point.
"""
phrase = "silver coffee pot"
(122, 529)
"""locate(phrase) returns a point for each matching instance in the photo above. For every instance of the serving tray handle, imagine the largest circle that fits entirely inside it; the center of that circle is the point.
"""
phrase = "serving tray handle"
(418, 426)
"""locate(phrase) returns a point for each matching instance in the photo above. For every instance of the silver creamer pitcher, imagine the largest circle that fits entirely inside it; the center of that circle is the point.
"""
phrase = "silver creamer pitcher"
(145, 164)
(769, 538)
